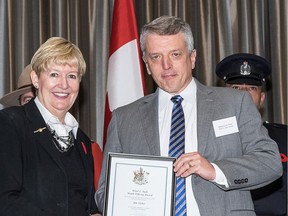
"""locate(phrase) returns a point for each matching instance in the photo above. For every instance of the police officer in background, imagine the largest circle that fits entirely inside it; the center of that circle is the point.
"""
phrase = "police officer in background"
(248, 72)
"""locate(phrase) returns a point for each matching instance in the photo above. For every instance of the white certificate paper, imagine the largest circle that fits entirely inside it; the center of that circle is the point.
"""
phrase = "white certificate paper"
(139, 186)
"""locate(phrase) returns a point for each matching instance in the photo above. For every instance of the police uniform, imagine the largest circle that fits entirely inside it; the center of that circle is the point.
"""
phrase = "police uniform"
(249, 69)
(272, 199)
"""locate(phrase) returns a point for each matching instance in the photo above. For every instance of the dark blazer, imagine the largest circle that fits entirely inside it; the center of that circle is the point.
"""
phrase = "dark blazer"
(271, 200)
(33, 179)
(249, 159)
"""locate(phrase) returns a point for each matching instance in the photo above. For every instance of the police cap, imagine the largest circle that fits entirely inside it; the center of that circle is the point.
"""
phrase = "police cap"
(243, 68)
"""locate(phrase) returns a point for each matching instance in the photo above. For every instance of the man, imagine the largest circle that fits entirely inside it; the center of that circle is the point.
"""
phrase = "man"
(249, 72)
(245, 71)
(24, 92)
(226, 145)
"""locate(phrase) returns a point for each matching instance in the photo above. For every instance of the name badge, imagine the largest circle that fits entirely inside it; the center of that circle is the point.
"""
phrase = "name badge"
(225, 126)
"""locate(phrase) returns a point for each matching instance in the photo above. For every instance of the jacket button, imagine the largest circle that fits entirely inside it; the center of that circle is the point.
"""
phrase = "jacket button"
(237, 181)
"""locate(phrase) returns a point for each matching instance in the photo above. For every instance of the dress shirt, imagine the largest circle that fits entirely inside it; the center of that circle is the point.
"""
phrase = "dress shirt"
(53, 122)
(191, 144)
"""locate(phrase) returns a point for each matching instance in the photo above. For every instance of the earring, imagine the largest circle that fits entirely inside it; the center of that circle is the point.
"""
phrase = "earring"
(36, 86)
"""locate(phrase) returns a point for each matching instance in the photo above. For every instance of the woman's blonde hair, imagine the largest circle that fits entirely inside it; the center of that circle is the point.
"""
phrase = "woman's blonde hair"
(59, 51)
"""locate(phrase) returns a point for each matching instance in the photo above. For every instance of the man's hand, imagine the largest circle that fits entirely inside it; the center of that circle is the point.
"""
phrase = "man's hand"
(194, 163)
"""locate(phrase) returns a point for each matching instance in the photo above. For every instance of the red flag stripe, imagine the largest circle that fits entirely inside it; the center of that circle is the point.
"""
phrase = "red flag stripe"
(124, 31)
(107, 119)
(124, 26)
(97, 157)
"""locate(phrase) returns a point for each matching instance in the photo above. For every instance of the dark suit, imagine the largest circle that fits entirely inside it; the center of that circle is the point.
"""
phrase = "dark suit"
(272, 199)
(33, 180)
(249, 158)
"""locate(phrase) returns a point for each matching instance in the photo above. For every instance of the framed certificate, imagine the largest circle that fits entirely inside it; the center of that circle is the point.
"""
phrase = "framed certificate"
(139, 185)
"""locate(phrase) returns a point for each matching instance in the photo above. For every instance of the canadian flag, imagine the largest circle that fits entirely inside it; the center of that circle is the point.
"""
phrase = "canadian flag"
(125, 79)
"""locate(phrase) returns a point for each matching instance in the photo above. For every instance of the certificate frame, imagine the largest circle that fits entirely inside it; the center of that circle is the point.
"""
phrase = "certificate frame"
(139, 185)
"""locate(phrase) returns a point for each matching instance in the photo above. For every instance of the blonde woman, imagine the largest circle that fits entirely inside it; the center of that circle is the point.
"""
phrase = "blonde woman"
(46, 161)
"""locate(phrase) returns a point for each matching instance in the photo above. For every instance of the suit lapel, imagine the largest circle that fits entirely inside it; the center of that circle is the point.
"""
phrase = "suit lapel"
(149, 114)
(82, 148)
(40, 132)
(81, 144)
(42, 136)
(205, 110)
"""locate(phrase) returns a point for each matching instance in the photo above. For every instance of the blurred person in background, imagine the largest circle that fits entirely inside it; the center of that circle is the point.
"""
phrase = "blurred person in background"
(24, 92)
(249, 72)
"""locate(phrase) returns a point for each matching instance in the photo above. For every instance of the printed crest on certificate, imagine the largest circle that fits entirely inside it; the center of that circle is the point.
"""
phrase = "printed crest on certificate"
(139, 185)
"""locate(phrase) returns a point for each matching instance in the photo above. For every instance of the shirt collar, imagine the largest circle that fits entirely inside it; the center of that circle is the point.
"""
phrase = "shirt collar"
(69, 120)
(188, 94)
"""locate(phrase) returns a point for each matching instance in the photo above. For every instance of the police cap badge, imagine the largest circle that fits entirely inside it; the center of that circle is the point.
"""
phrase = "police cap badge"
(243, 68)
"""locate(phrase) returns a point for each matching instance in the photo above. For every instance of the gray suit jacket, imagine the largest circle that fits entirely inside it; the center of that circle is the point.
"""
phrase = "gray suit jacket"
(249, 159)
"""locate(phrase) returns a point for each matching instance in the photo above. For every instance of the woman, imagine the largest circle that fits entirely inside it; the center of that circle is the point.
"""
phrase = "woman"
(46, 161)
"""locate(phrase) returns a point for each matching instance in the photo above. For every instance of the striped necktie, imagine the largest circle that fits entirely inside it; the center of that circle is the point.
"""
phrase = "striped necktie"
(176, 149)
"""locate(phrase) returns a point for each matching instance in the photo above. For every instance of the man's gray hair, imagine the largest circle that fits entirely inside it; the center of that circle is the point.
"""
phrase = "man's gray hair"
(167, 25)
